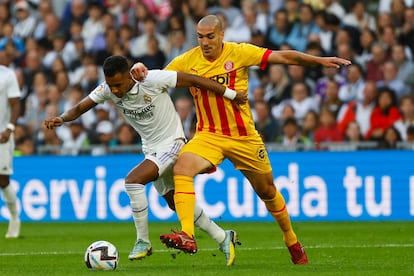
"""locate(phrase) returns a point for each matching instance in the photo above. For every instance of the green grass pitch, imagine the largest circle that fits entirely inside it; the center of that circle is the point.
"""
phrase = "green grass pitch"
(334, 248)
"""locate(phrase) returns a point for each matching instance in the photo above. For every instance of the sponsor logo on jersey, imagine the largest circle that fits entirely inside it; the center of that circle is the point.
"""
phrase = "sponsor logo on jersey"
(119, 103)
(221, 79)
(147, 99)
(145, 113)
(229, 65)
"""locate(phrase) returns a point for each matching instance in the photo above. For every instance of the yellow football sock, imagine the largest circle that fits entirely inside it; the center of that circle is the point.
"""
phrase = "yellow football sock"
(277, 208)
(184, 198)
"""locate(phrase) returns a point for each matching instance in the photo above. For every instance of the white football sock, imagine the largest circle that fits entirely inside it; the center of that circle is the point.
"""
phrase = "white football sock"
(207, 225)
(139, 206)
(9, 195)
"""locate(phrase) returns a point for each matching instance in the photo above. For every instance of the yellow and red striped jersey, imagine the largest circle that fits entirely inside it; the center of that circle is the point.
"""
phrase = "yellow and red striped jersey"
(215, 113)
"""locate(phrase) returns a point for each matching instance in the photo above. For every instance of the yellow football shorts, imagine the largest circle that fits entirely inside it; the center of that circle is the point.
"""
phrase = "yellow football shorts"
(246, 153)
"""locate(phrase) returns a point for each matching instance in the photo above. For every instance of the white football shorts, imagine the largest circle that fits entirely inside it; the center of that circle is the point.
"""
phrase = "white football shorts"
(165, 160)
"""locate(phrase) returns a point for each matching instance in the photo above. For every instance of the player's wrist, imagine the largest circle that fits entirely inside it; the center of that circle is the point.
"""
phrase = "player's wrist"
(11, 127)
(230, 93)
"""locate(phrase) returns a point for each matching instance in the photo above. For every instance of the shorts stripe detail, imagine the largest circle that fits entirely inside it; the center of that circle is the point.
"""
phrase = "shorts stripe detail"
(239, 120)
(171, 154)
(225, 128)
(185, 193)
(209, 114)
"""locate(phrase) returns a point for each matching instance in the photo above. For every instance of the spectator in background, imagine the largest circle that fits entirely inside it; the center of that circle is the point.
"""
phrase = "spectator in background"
(329, 74)
(301, 101)
(185, 108)
(358, 17)
(353, 89)
(93, 25)
(367, 38)
(405, 66)
(334, 7)
(389, 139)
(106, 138)
(353, 133)
(154, 57)
(75, 140)
(292, 8)
(9, 37)
(310, 124)
(410, 134)
(374, 66)
(265, 124)
(278, 87)
(298, 36)
(332, 101)
(391, 80)
(359, 111)
(26, 21)
(126, 135)
(178, 44)
(384, 115)
(291, 135)
(232, 13)
(407, 112)
(328, 130)
(138, 46)
(75, 10)
(278, 32)
(297, 73)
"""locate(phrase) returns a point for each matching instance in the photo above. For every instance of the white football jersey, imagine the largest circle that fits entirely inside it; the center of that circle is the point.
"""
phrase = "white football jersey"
(148, 108)
(9, 88)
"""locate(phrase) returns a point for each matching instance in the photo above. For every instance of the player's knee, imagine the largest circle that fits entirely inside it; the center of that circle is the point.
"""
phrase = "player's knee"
(266, 191)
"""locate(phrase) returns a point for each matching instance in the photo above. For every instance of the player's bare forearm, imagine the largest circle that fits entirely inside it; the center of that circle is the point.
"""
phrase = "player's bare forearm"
(188, 80)
(292, 57)
(14, 110)
(71, 114)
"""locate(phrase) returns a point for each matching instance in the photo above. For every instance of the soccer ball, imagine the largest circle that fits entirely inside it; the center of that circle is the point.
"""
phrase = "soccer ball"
(101, 255)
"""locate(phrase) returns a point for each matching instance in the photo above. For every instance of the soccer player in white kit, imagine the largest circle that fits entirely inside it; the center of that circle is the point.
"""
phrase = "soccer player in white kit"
(9, 113)
(148, 108)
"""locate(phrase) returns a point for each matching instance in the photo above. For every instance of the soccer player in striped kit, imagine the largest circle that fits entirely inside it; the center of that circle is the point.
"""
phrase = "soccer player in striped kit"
(225, 130)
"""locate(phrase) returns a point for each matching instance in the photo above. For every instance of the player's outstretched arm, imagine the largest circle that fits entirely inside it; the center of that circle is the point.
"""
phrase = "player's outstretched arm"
(299, 58)
(188, 80)
(71, 114)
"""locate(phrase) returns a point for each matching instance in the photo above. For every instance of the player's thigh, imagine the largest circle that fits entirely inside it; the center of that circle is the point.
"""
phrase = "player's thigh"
(249, 154)
(6, 158)
(143, 173)
(200, 154)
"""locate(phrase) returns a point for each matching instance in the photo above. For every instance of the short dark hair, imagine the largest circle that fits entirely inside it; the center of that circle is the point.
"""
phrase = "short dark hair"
(115, 64)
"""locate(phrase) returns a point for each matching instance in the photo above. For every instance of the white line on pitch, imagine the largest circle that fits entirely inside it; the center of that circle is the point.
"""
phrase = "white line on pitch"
(239, 248)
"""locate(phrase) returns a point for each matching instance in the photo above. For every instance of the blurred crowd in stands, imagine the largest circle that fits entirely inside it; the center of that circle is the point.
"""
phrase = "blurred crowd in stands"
(57, 48)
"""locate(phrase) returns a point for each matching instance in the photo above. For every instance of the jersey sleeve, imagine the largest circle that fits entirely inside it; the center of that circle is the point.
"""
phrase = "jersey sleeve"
(250, 55)
(161, 79)
(177, 64)
(13, 90)
(100, 93)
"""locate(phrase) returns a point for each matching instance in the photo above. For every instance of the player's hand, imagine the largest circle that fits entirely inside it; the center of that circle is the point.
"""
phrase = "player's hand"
(4, 136)
(139, 71)
(241, 98)
(51, 123)
(334, 62)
